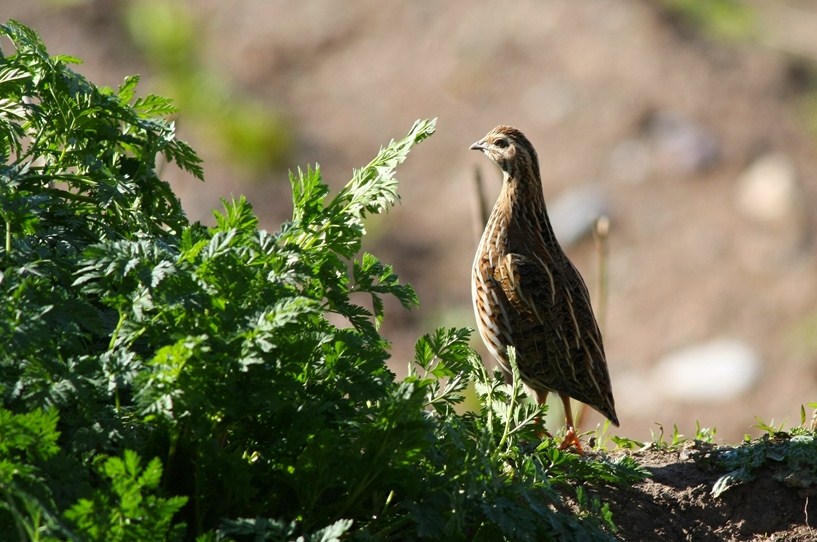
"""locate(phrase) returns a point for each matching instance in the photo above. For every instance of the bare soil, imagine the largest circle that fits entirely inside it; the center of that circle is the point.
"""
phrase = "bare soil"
(676, 503)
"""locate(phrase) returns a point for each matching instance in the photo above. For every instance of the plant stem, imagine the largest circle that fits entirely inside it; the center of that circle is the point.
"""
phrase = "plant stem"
(514, 395)
(8, 239)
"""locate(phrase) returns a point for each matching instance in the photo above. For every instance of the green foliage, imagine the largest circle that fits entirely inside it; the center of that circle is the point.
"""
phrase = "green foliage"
(26, 442)
(240, 372)
(729, 20)
(80, 162)
(79, 167)
(659, 439)
(163, 380)
(121, 512)
(792, 456)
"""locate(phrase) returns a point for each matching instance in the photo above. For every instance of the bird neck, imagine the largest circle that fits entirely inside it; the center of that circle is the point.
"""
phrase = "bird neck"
(523, 205)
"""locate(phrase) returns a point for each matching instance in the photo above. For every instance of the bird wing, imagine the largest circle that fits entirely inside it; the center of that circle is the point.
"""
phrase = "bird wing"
(555, 323)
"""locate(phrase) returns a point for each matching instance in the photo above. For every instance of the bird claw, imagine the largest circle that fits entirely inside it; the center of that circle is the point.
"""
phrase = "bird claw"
(571, 440)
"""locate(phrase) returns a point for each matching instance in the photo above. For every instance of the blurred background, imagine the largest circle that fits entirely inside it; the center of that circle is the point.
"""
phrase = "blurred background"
(692, 125)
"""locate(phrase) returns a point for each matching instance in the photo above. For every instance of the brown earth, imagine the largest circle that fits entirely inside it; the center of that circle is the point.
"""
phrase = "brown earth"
(580, 78)
(676, 503)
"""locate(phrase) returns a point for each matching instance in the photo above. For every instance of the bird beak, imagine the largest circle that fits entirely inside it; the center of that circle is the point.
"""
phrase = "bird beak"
(479, 146)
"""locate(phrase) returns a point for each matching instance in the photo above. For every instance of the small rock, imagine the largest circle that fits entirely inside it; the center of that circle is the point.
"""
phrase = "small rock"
(767, 190)
(574, 213)
(716, 371)
(680, 143)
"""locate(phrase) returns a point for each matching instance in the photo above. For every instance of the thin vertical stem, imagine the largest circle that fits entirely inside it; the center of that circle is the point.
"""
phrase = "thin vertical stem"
(602, 233)
(482, 201)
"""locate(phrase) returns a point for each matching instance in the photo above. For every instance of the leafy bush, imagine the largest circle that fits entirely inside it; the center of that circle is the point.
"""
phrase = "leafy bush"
(164, 380)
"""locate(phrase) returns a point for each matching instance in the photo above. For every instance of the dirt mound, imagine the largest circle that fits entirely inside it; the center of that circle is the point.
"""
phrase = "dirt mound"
(676, 502)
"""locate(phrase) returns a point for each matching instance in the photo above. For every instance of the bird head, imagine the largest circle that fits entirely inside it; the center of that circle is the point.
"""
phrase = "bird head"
(509, 149)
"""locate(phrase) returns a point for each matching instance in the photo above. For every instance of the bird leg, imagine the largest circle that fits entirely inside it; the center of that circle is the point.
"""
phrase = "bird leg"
(571, 439)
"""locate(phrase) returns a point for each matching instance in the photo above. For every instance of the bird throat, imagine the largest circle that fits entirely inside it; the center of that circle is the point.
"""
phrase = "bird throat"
(521, 210)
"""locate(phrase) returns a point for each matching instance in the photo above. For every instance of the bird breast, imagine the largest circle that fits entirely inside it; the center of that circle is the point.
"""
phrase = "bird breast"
(493, 320)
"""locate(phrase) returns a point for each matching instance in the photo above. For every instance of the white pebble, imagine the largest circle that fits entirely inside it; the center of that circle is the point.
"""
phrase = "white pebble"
(766, 191)
(716, 371)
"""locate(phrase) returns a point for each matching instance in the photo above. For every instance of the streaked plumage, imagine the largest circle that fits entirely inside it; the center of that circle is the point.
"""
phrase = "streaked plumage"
(528, 294)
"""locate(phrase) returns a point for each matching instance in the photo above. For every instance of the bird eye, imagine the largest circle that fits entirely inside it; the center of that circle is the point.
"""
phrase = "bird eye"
(502, 143)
